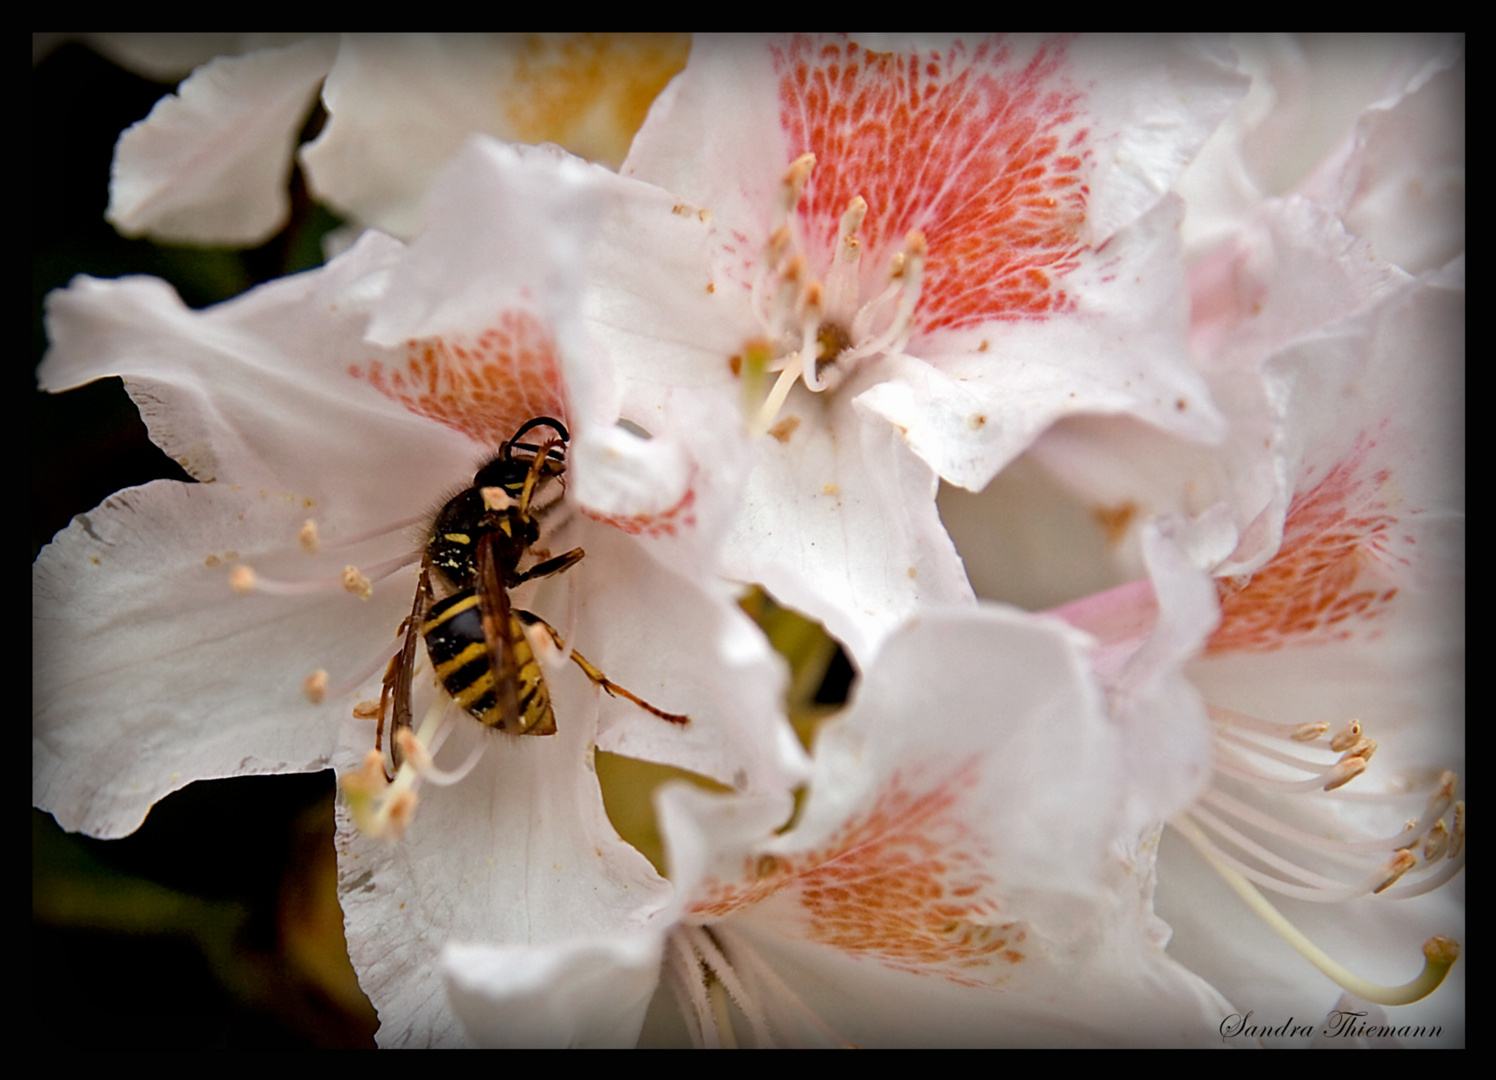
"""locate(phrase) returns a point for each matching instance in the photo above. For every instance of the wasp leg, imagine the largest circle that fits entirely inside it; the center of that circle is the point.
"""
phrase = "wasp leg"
(550, 567)
(399, 676)
(607, 684)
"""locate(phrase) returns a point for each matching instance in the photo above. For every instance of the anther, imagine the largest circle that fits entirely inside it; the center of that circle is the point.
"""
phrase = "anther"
(1396, 867)
(793, 271)
(916, 250)
(307, 537)
(371, 769)
(811, 303)
(1346, 737)
(315, 687)
(400, 813)
(780, 243)
(1436, 843)
(848, 246)
(1363, 749)
(242, 579)
(355, 582)
(415, 752)
(363, 787)
(1343, 772)
(794, 182)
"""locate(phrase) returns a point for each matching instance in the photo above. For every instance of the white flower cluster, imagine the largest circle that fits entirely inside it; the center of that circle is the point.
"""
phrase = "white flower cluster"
(1206, 375)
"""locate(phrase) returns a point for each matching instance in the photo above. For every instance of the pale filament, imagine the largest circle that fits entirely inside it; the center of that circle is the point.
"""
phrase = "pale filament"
(423, 757)
(385, 808)
(818, 330)
(245, 579)
(710, 966)
(352, 579)
(1277, 855)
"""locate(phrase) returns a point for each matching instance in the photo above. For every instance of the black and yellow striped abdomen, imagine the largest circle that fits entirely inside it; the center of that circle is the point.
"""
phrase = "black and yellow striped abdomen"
(459, 652)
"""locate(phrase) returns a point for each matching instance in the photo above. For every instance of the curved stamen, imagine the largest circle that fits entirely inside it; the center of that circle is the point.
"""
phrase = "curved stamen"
(841, 283)
(385, 808)
(1326, 778)
(1256, 746)
(310, 534)
(377, 663)
(818, 330)
(911, 275)
(810, 327)
(776, 399)
(1320, 889)
(686, 979)
(747, 960)
(862, 322)
(717, 965)
(1227, 719)
(1439, 953)
(1446, 873)
(424, 761)
(1244, 750)
(1410, 835)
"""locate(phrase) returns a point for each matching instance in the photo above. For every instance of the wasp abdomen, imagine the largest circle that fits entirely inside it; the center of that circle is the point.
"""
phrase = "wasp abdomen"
(459, 651)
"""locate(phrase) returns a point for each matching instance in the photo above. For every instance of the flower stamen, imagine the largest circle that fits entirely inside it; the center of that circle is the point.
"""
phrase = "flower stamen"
(351, 579)
(1439, 952)
(709, 967)
(1254, 754)
(818, 330)
(384, 808)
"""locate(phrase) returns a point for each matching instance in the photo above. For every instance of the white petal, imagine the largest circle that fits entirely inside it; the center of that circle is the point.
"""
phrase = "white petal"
(183, 679)
(685, 647)
(400, 107)
(212, 164)
(512, 222)
(1399, 178)
(586, 993)
(838, 521)
(950, 879)
(259, 392)
(520, 852)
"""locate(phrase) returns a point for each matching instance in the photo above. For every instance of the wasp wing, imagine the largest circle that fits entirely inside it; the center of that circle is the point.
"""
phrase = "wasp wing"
(493, 607)
(399, 677)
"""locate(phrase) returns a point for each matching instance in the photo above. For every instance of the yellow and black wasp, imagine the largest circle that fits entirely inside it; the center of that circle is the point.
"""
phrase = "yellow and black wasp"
(476, 640)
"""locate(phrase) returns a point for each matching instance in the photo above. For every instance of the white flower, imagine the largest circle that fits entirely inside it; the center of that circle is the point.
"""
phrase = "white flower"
(940, 250)
(210, 165)
(353, 397)
(961, 873)
(1279, 273)
(1337, 548)
(1357, 617)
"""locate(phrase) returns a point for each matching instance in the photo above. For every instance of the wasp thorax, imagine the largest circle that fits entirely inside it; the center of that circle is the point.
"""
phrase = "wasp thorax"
(819, 329)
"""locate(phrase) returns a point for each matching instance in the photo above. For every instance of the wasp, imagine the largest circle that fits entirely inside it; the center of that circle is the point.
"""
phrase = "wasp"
(476, 639)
